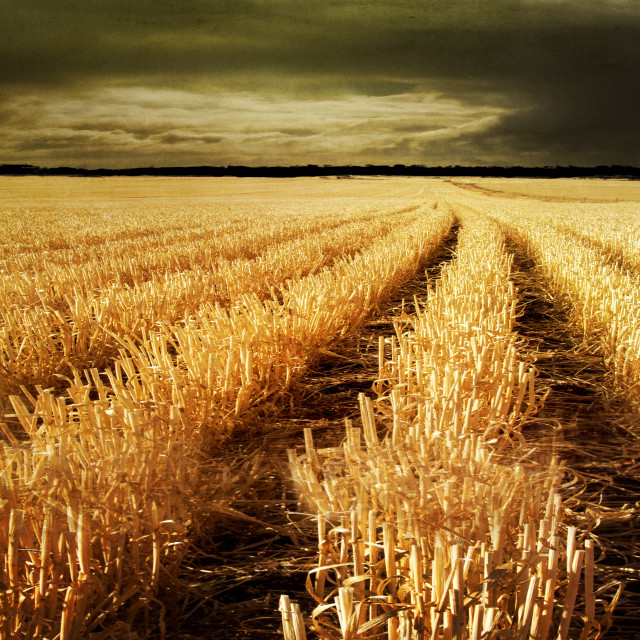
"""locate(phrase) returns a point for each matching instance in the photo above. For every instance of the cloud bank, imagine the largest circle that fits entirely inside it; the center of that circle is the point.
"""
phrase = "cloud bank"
(303, 81)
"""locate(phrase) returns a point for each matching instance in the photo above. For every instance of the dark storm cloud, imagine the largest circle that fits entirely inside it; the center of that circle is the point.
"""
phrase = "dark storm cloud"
(561, 76)
(299, 133)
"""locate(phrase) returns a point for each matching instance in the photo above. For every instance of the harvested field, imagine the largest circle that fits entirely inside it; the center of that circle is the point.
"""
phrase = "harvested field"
(409, 406)
(557, 190)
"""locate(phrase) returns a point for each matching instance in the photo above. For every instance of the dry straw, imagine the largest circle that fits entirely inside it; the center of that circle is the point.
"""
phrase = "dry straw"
(95, 509)
(101, 491)
(62, 311)
(605, 299)
(436, 519)
(614, 229)
(225, 361)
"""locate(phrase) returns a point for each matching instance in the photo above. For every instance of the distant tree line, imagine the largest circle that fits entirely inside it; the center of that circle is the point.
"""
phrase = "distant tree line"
(340, 171)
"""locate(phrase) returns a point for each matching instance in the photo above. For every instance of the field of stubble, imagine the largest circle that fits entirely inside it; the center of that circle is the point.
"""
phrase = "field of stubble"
(339, 409)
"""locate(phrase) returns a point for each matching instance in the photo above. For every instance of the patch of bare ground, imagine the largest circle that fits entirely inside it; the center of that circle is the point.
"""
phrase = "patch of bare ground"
(262, 546)
(594, 430)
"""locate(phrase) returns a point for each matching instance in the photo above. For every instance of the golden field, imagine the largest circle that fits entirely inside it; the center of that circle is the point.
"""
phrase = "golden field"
(149, 327)
(560, 189)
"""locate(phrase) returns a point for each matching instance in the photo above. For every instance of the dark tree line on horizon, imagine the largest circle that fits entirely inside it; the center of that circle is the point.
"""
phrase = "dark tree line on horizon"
(340, 171)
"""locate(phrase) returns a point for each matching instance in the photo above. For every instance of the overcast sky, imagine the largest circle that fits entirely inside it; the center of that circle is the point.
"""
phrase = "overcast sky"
(117, 83)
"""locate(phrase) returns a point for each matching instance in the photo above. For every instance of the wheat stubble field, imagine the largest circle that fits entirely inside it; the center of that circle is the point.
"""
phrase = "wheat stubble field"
(339, 409)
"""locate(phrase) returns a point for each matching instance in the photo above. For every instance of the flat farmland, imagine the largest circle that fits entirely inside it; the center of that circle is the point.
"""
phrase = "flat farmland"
(560, 189)
(319, 408)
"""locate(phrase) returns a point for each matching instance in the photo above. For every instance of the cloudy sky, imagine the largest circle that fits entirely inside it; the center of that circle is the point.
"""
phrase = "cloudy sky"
(121, 83)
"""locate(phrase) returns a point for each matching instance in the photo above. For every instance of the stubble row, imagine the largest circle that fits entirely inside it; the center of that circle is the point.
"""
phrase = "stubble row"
(604, 297)
(54, 322)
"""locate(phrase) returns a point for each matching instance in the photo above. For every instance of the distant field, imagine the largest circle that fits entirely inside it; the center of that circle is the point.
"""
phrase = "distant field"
(421, 394)
(561, 189)
(36, 188)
